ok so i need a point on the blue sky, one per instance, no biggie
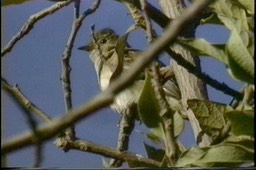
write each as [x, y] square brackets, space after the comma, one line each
[35, 65]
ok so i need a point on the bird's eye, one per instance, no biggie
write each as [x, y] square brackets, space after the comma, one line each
[103, 41]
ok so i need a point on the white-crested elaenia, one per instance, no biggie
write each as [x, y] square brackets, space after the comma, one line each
[103, 54]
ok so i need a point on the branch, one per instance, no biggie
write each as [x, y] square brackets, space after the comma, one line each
[27, 108]
[28, 26]
[80, 145]
[66, 69]
[105, 98]
[108, 152]
[23, 101]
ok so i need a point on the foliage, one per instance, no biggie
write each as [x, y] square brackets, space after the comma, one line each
[238, 53]
[236, 148]
[231, 127]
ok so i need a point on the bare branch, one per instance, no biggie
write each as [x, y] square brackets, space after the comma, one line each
[27, 108]
[49, 130]
[111, 153]
[23, 101]
[28, 26]
[66, 69]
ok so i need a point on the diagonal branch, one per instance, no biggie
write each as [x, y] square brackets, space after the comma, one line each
[81, 145]
[105, 98]
[20, 98]
[28, 26]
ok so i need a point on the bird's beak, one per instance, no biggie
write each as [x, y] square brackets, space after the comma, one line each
[85, 48]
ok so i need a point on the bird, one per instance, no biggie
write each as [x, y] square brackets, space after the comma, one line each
[102, 49]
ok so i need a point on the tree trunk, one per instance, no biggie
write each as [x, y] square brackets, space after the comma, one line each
[190, 86]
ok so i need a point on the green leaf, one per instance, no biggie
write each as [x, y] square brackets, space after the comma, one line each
[178, 124]
[222, 7]
[223, 155]
[203, 47]
[189, 156]
[148, 105]
[240, 62]
[233, 10]
[242, 122]
[13, 2]
[231, 23]
[248, 5]
[210, 115]
[153, 153]
[245, 141]
[240, 14]
[149, 109]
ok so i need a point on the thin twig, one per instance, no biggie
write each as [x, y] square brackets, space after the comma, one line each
[27, 107]
[105, 98]
[16, 93]
[28, 26]
[66, 69]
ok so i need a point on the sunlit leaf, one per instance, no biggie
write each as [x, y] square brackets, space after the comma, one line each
[223, 155]
[210, 115]
[222, 7]
[244, 141]
[189, 156]
[248, 5]
[240, 61]
[203, 47]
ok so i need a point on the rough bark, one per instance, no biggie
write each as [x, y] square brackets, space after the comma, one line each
[191, 87]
